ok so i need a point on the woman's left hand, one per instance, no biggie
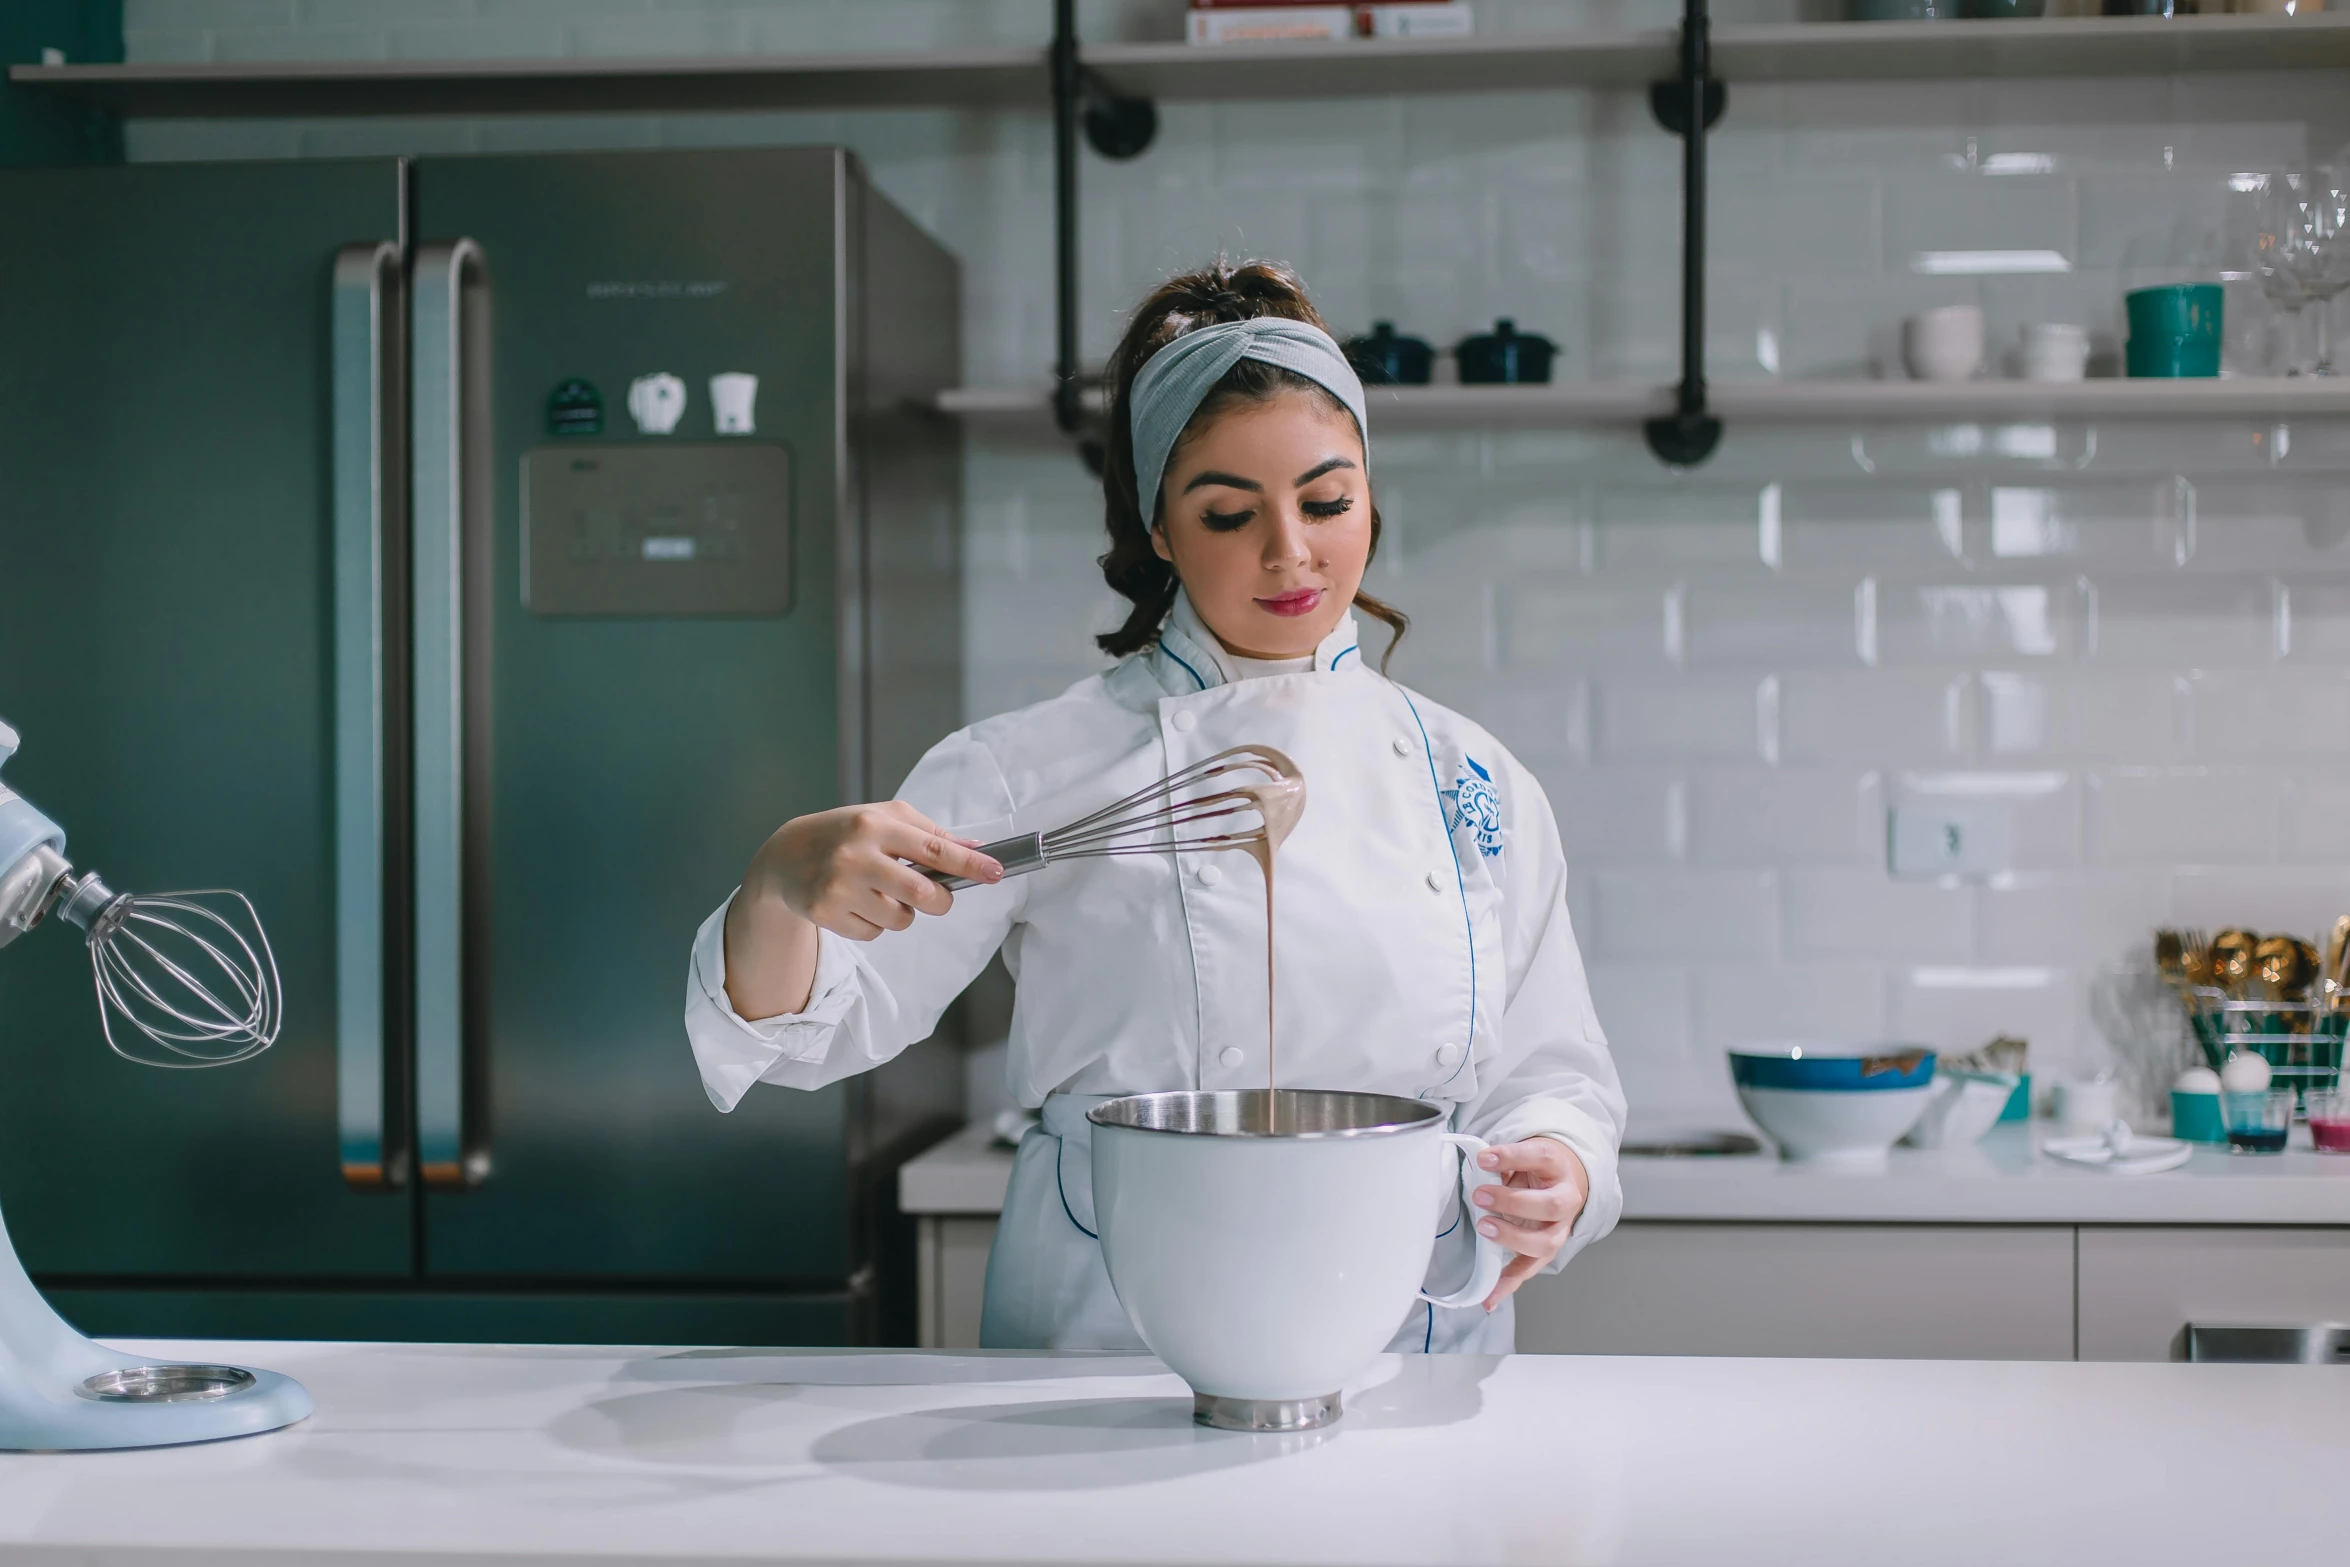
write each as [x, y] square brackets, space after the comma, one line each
[1544, 1187]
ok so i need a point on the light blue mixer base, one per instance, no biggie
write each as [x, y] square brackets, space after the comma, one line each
[56, 1392]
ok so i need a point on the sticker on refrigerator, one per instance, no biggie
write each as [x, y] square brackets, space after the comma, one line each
[656, 402]
[732, 394]
[575, 407]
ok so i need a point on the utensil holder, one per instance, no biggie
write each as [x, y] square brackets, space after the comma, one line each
[2300, 1040]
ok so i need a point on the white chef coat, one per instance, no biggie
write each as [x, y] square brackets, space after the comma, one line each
[1423, 949]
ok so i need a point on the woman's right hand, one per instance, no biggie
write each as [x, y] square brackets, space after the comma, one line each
[847, 870]
[842, 870]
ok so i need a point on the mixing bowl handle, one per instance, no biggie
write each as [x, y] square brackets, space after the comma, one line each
[1492, 1256]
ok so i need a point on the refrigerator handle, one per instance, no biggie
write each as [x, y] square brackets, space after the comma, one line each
[451, 577]
[369, 401]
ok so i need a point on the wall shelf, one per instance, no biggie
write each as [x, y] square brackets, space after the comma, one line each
[1573, 404]
[1175, 72]
[979, 78]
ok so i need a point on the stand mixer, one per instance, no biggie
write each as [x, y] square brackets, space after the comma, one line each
[183, 980]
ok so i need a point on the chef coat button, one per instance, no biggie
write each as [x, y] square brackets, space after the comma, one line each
[1402, 746]
[1184, 721]
[1209, 875]
[1446, 1055]
[1435, 883]
[1230, 1056]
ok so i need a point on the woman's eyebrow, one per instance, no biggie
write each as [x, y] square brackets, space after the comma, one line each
[1324, 466]
[1235, 481]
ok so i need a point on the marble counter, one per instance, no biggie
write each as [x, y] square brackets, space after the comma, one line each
[483, 1454]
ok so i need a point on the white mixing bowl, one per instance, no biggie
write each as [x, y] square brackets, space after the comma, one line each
[1268, 1251]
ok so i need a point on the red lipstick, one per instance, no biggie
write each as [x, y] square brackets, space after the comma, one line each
[1298, 601]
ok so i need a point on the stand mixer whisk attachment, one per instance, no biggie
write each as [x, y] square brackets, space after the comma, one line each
[190, 973]
[187, 977]
[1249, 794]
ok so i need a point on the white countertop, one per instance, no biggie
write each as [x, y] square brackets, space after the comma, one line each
[476, 1454]
[1999, 1181]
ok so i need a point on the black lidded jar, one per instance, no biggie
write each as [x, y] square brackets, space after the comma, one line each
[1384, 359]
[1505, 356]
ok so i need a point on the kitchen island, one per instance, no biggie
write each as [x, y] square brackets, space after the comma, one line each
[453, 1453]
[1989, 1252]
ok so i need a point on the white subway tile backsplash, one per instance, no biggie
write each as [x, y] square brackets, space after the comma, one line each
[1780, 816]
[2186, 621]
[2313, 823]
[2302, 900]
[1676, 914]
[1958, 1008]
[1715, 717]
[1752, 1003]
[1950, 622]
[2169, 815]
[2242, 715]
[1614, 815]
[2043, 809]
[1864, 914]
[1585, 625]
[1876, 717]
[2041, 917]
[1775, 625]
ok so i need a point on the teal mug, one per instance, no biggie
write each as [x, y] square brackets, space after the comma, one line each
[2174, 330]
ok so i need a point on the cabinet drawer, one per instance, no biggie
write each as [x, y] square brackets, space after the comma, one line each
[1860, 1291]
[2141, 1285]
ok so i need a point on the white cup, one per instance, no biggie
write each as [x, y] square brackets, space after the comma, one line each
[1268, 1265]
[2053, 351]
[1944, 344]
[656, 402]
[733, 394]
[2086, 1104]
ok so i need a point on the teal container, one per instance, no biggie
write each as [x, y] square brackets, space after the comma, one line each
[2196, 1118]
[2019, 1103]
[2174, 330]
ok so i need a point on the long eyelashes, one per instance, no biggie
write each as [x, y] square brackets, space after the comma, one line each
[1231, 521]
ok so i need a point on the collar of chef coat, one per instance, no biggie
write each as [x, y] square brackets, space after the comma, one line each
[1189, 658]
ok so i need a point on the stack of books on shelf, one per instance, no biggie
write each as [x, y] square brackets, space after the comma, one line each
[1265, 21]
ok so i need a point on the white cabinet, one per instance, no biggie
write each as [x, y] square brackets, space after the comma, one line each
[951, 1257]
[2141, 1285]
[1934, 1292]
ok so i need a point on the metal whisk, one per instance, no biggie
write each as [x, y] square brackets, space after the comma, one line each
[1184, 812]
[189, 974]
[190, 971]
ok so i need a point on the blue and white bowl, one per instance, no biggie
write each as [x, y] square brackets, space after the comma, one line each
[1833, 1103]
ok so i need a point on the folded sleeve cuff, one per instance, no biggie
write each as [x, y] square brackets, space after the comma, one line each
[733, 1051]
[1593, 1142]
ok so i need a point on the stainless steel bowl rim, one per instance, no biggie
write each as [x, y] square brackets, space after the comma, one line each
[1401, 1115]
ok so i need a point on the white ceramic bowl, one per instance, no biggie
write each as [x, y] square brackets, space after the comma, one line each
[1826, 1103]
[1268, 1261]
[1962, 1106]
[1944, 344]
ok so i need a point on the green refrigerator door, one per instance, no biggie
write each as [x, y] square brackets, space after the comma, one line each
[168, 649]
[651, 686]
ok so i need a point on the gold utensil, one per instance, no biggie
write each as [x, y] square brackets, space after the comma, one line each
[2231, 959]
[2338, 952]
[2282, 967]
[2170, 958]
[2195, 957]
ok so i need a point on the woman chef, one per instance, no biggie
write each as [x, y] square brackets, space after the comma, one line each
[1422, 949]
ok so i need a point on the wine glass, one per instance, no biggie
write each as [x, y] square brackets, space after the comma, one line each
[2312, 212]
[2275, 219]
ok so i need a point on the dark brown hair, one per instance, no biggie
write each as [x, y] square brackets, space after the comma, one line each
[1222, 292]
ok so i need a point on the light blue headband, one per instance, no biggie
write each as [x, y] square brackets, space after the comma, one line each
[1170, 385]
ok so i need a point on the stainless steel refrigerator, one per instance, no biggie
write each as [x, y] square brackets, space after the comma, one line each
[473, 559]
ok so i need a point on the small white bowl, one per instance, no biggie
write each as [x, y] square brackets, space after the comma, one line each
[1814, 1126]
[1963, 1106]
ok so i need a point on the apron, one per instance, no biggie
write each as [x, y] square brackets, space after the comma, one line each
[1048, 1288]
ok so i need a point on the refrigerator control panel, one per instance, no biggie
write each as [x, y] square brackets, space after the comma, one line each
[675, 529]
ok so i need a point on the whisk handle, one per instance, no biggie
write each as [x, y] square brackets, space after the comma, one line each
[1018, 856]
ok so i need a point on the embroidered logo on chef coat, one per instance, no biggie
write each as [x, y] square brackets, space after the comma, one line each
[1473, 803]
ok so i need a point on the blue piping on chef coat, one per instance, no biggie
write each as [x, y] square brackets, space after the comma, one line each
[1460, 881]
[1354, 648]
[1187, 669]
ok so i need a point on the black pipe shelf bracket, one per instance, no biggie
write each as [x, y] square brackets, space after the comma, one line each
[1116, 127]
[1688, 435]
